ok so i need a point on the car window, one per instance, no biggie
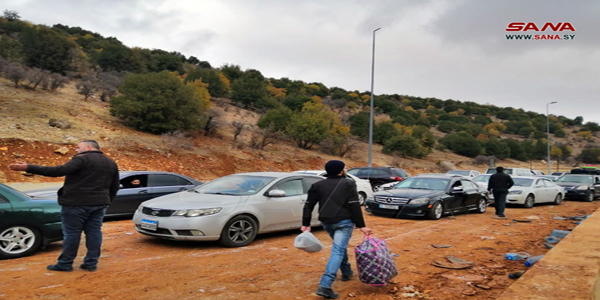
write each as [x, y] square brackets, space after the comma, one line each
[522, 181]
[400, 173]
[539, 183]
[549, 183]
[380, 173]
[235, 185]
[482, 178]
[469, 185]
[309, 181]
[167, 180]
[354, 172]
[290, 187]
[575, 178]
[134, 181]
[3, 200]
[422, 183]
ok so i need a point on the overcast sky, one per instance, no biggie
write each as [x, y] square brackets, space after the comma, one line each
[445, 49]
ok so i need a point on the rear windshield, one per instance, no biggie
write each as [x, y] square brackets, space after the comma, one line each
[575, 178]
[522, 181]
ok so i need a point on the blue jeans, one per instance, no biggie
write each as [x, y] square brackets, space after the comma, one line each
[340, 233]
[77, 219]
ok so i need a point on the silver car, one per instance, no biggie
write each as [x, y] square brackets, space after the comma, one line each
[231, 209]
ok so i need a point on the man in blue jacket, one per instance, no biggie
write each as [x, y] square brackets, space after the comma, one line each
[499, 184]
[91, 184]
[339, 211]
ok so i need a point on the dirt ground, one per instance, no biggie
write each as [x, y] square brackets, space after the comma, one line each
[134, 266]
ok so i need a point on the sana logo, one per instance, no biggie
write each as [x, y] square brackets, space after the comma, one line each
[522, 26]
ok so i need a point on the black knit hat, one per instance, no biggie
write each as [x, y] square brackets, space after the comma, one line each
[334, 167]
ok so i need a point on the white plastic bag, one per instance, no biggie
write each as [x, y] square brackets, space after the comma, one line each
[308, 242]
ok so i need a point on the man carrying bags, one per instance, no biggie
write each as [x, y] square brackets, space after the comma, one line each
[339, 211]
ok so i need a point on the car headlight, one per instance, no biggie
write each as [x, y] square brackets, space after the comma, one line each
[140, 208]
[515, 192]
[197, 212]
[419, 201]
[583, 187]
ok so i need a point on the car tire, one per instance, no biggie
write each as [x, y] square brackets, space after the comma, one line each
[557, 199]
[590, 197]
[529, 201]
[376, 187]
[362, 198]
[436, 211]
[482, 205]
[239, 231]
[25, 241]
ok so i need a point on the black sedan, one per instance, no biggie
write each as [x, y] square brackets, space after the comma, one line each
[137, 187]
[26, 223]
[431, 196]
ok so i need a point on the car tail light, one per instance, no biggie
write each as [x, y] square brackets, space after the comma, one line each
[396, 178]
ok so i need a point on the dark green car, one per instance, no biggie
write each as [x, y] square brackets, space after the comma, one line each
[26, 223]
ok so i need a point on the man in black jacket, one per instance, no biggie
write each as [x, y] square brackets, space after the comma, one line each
[339, 211]
[91, 184]
[499, 184]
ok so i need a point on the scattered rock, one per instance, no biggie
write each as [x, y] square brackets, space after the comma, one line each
[533, 218]
[59, 124]
[483, 287]
[352, 294]
[469, 278]
[446, 166]
[3, 148]
[18, 155]
[62, 150]
[487, 237]
[440, 246]
[470, 292]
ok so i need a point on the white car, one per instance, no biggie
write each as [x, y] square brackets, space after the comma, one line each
[363, 186]
[529, 190]
[466, 173]
[231, 209]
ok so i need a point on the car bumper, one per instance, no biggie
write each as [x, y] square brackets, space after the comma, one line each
[380, 209]
[576, 194]
[204, 228]
[516, 198]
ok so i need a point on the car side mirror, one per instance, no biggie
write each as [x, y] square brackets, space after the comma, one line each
[457, 190]
[276, 193]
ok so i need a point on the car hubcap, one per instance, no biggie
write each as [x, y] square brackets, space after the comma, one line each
[361, 198]
[557, 199]
[482, 205]
[16, 240]
[529, 201]
[438, 211]
[240, 231]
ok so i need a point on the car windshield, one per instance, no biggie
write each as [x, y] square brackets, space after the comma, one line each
[482, 178]
[237, 185]
[434, 184]
[460, 172]
[575, 178]
[522, 181]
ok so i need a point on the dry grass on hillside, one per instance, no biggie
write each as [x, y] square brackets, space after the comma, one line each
[26, 113]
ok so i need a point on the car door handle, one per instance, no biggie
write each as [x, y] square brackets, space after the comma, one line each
[143, 192]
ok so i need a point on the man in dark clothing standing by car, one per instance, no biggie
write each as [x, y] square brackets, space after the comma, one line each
[91, 184]
[499, 184]
[339, 211]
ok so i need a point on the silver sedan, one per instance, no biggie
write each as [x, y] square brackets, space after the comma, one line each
[231, 209]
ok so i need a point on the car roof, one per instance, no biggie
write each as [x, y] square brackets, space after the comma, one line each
[440, 176]
[270, 174]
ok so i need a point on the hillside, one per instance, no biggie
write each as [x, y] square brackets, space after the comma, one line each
[26, 136]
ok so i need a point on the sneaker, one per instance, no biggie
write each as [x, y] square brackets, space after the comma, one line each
[327, 293]
[500, 217]
[347, 277]
[59, 269]
[88, 268]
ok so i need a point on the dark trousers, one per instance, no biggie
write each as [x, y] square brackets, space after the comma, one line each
[500, 202]
[75, 220]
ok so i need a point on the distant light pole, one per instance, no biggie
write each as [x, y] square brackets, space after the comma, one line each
[371, 113]
[548, 132]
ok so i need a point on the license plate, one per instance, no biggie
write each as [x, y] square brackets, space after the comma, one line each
[149, 224]
[388, 206]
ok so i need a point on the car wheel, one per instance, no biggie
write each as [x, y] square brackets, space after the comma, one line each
[529, 201]
[377, 187]
[436, 211]
[482, 205]
[557, 199]
[239, 231]
[362, 198]
[590, 197]
[19, 241]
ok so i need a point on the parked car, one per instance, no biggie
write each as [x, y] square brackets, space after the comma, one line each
[429, 195]
[363, 186]
[537, 172]
[551, 177]
[529, 190]
[150, 184]
[558, 174]
[379, 175]
[512, 171]
[26, 223]
[231, 209]
[466, 173]
[582, 186]
[482, 180]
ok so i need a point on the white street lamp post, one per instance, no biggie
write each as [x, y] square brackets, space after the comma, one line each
[371, 113]
[548, 134]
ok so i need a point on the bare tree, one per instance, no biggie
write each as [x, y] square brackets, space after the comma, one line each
[87, 88]
[54, 82]
[16, 73]
[263, 137]
[108, 83]
[238, 128]
[36, 76]
[211, 122]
